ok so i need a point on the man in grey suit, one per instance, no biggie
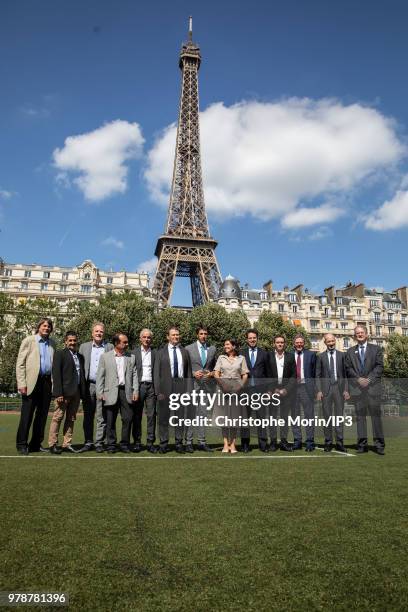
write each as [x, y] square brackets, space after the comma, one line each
[364, 368]
[171, 374]
[332, 390]
[117, 386]
[144, 358]
[91, 352]
[202, 358]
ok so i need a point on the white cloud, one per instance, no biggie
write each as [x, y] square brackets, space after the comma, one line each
[99, 158]
[305, 217]
[267, 159]
[393, 214]
[149, 266]
[6, 195]
[113, 242]
[320, 233]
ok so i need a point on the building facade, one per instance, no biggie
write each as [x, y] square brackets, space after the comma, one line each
[83, 282]
[337, 310]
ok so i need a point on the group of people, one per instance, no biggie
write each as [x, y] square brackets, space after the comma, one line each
[110, 380]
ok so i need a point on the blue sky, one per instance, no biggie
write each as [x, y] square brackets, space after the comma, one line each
[304, 135]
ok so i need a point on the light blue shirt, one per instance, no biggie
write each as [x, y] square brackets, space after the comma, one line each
[45, 356]
[96, 353]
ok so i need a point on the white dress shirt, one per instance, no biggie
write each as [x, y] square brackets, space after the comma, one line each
[146, 364]
[120, 368]
[302, 371]
[335, 362]
[96, 353]
[280, 362]
[170, 348]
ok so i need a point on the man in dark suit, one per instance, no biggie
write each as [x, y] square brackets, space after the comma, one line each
[364, 368]
[283, 373]
[202, 359]
[305, 374]
[68, 386]
[171, 374]
[258, 363]
[144, 358]
[332, 390]
[92, 352]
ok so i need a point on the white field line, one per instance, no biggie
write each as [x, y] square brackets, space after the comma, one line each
[157, 458]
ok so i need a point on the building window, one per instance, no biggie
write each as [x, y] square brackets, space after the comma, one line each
[312, 309]
[343, 325]
[359, 312]
[377, 317]
[346, 343]
[405, 332]
[109, 280]
[44, 286]
[27, 273]
[4, 284]
[292, 297]
[339, 300]
[314, 324]
[326, 312]
[65, 276]
[281, 308]
[7, 272]
[378, 330]
[390, 317]
[244, 293]
[86, 288]
[294, 308]
[46, 274]
[24, 285]
[391, 330]
[342, 315]
[87, 276]
[327, 325]
[403, 319]
[63, 288]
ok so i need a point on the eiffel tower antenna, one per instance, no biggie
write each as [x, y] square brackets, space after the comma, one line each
[186, 248]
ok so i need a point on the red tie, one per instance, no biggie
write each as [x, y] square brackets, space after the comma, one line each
[299, 366]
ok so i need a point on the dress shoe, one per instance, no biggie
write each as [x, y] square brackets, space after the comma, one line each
[273, 447]
[340, 447]
[245, 448]
[285, 446]
[189, 448]
[37, 449]
[152, 449]
[99, 448]
[180, 449]
[379, 450]
[263, 446]
[111, 450]
[297, 445]
[205, 448]
[54, 450]
[86, 447]
[328, 447]
[137, 448]
[124, 449]
[23, 451]
[310, 446]
[164, 449]
[69, 449]
[362, 449]
[44, 450]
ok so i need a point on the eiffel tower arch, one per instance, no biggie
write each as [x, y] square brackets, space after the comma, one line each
[186, 248]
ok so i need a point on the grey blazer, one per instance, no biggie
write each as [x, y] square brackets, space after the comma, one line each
[323, 372]
[107, 382]
[195, 358]
[86, 349]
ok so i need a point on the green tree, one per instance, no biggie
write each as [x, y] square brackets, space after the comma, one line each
[270, 324]
[213, 316]
[396, 357]
[8, 357]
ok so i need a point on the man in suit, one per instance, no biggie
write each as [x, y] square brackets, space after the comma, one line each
[283, 373]
[68, 386]
[144, 358]
[171, 374]
[91, 352]
[332, 390]
[258, 363]
[305, 374]
[117, 386]
[33, 373]
[364, 368]
[202, 359]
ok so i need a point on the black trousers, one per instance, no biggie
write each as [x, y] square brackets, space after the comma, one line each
[126, 413]
[35, 405]
[365, 405]
[89, 407]
[333, 404]
[147, 399]
[178, 386]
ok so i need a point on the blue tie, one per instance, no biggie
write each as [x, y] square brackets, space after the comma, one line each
[362, 357]
[252, 357]
[203, 355]
[175, 363]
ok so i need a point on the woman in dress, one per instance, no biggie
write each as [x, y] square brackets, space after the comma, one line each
[231, 373]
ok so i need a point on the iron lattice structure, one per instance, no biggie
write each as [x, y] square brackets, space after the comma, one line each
[187, 249]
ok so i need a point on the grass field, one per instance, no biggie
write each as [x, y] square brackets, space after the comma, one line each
[142, 532]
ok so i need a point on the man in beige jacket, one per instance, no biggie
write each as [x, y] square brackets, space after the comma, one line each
[33, 372]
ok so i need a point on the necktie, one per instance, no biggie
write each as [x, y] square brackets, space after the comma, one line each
[299, 366]
[175, 363]
[203, 355]
[331, 366]
[252, 358]
[362, 357]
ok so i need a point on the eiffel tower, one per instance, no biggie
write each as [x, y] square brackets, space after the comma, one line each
[186, 248]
